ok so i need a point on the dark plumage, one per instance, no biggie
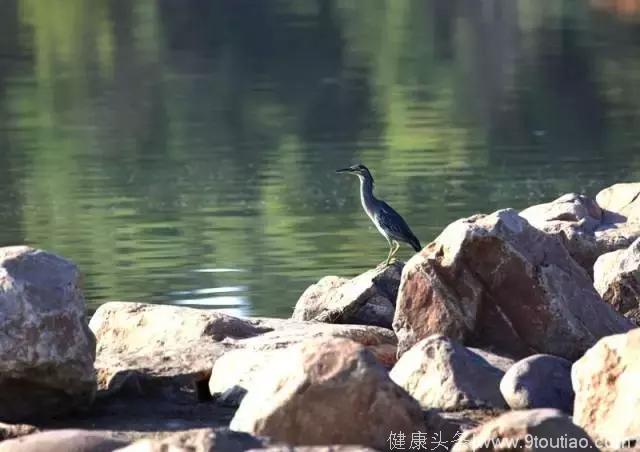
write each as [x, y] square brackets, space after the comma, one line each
[389, 222]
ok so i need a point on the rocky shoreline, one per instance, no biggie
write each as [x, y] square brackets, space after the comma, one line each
[505, 329]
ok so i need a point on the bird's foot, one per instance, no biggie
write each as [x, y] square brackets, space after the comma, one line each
[388, 262]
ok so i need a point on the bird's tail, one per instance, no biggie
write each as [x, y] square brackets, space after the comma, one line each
[415, 244]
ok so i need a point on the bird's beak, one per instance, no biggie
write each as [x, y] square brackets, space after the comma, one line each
[344, 170]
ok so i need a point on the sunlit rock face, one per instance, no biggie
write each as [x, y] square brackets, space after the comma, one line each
[367, 299]
[440, 373]
[607, 395]
[46, 349]
[496, 281]
[328, 391]
[200, 440]
[531, 430]
[589, 228]
[620, 202]
[65, 440]
[161, 348]
[617, 279]
[242, 369]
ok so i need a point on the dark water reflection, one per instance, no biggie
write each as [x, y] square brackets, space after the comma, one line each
[184, 151]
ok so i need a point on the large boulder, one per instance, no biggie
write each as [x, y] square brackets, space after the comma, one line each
[200, 440]
[367, 299]
[46, 348]
[67, 440]
[583, 226]
[158, 348]
[617, 278]
[539, 381]
[496, 281]
[620, 202]
[526, 430]
[607, 394]
[440, 373]
[328, 391]
[241, 369]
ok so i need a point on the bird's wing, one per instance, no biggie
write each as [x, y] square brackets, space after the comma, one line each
[395, 224]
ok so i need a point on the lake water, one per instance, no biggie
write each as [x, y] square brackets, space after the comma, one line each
[184, 152]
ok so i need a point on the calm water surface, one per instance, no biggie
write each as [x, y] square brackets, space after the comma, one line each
[184, 152]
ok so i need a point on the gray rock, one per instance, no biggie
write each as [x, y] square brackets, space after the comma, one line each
[539, 381]
[46, 348]
[617, 278]
[64, 441]
[151, 349]
[620, 202]
[200, 440]
[367, 299]
[328, 391]
[440, 373]
[240, 369]
[585, 226]
[531, 430]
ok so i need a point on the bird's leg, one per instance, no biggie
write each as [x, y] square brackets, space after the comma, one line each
[388, 260]
[392, 252]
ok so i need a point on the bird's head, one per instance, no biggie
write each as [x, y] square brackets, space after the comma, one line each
[357, 170]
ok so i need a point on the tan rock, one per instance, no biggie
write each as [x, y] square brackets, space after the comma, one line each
[64, 441]
[46, 349]
[440, 373]
[151, 348]
[607, 394]
[583, 227]
[367, 299]
[328, 391]
[620, 200]
[571, 207]
[240, 369]
[526, 430]
[617, 278]
[495, 281]
[199, 440]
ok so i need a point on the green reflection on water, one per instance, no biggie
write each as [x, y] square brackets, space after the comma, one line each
[157, 143]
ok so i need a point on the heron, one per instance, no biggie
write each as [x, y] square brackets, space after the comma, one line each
[389, 222]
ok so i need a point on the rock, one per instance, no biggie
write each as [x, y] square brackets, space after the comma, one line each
[46, 349]
[64, 441]
[571, 207]
[337, 448]
[440, 373]
[238, 370]
[526, 430]
[367, 299]
[539, 381]
[583, 227]
[200, 440]
[139, 350]
[617, 278]
[8, 431]
[620, 202]
[328, 391]
[607, 394]
[494, 281]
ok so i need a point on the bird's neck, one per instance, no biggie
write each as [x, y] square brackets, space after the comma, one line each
[366, 194]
